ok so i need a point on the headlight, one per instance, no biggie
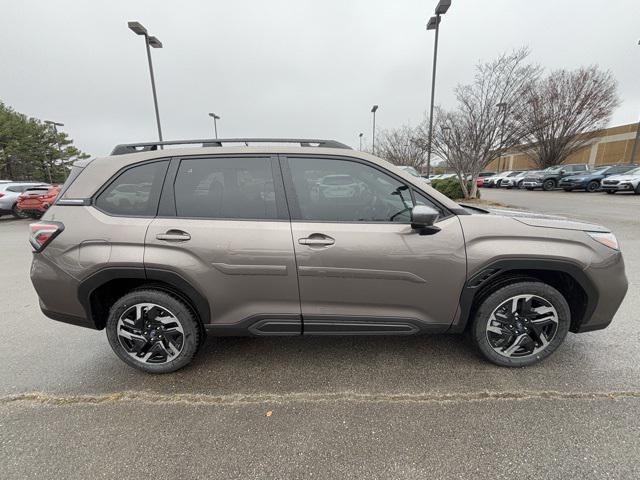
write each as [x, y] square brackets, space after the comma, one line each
[606, 239]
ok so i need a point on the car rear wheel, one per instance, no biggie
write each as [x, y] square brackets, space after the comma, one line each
[153, 331]
[521, 324]
[592, 186]
[16, 212]
[549, 185]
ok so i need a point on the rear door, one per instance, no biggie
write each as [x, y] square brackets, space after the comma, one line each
[223, 226]
[362, 268]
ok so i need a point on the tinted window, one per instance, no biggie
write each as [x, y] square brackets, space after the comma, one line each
[363, 193]
[134, 192]
[619, 169]
[579, 168]
[226, 188]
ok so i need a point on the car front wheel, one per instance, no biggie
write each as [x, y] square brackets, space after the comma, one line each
[153, 331]
[592, 186]
[521, 324]
[549, 185]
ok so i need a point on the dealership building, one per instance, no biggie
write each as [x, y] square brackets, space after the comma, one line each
[608, 146]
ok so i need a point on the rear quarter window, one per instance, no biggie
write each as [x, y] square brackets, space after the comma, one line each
[134, 192]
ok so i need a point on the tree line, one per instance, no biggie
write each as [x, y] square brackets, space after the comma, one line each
[31, 149]
[510, 104]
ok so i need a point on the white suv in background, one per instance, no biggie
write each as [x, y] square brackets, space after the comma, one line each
[627, 182]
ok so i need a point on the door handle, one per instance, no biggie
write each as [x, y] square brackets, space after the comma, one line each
[174, 236]
[317, 240]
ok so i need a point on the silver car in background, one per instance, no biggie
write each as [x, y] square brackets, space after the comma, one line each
[9, 192]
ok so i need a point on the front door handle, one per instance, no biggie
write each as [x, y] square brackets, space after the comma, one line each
[174, 236]
[317, 240]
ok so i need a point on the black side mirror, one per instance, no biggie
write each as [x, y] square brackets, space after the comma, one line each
[423, 218]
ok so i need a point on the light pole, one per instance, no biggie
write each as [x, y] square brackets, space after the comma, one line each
[637, 139]
[374, 109]
[215, 124]
[149, 41]
[361, 134]
[434, 24]
[502, 107]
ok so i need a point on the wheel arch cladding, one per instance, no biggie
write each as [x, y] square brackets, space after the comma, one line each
[566, 277]
[99, 291]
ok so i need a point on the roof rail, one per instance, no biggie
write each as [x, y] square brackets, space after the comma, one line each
[217, 142]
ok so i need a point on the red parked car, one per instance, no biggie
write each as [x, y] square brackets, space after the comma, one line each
[37, 200]
[482, 176]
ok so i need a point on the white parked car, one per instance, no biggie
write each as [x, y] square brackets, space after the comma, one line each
[497, 179]
[412, 171]
[627, 182]
[9, 192]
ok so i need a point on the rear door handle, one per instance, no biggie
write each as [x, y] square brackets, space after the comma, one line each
[317, 240]
[174, 236]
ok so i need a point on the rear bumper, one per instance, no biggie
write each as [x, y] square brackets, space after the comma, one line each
[531, 184]
[57, 292]
[70, 319]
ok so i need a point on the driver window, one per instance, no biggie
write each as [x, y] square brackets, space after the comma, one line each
[344, 191]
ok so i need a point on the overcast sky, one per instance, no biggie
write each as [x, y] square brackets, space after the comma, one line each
[284, 68]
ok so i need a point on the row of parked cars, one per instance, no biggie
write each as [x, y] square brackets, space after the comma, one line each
[26, 199]
[610, 178]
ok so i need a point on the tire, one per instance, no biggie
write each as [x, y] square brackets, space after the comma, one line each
[556, 324]
[530, 189]
[637, 190]
[168, 344]
[592, 186]
[17, 213]
[549, 185]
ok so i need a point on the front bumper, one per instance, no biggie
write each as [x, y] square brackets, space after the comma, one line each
[619, 187]
[610, 284]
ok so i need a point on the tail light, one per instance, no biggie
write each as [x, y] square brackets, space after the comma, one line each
[42, 233]
[1, 194]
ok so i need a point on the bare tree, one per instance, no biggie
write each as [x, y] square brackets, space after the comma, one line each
[565, 110]
[402, 146]
[487, 121]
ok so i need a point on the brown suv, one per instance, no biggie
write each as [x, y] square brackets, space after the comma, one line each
[160, 247]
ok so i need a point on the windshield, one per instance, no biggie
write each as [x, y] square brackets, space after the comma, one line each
[635, 171]
[410, 170]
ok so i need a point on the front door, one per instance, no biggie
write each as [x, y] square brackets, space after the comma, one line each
[362, 269]
[223, 226]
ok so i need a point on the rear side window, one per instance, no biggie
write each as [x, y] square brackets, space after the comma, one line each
[241, 188]
[135, 192]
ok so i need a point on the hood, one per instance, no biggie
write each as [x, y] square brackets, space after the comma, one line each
[541, 220]
[623, 177]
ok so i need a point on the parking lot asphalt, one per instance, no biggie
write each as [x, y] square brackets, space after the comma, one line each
[397, 407]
